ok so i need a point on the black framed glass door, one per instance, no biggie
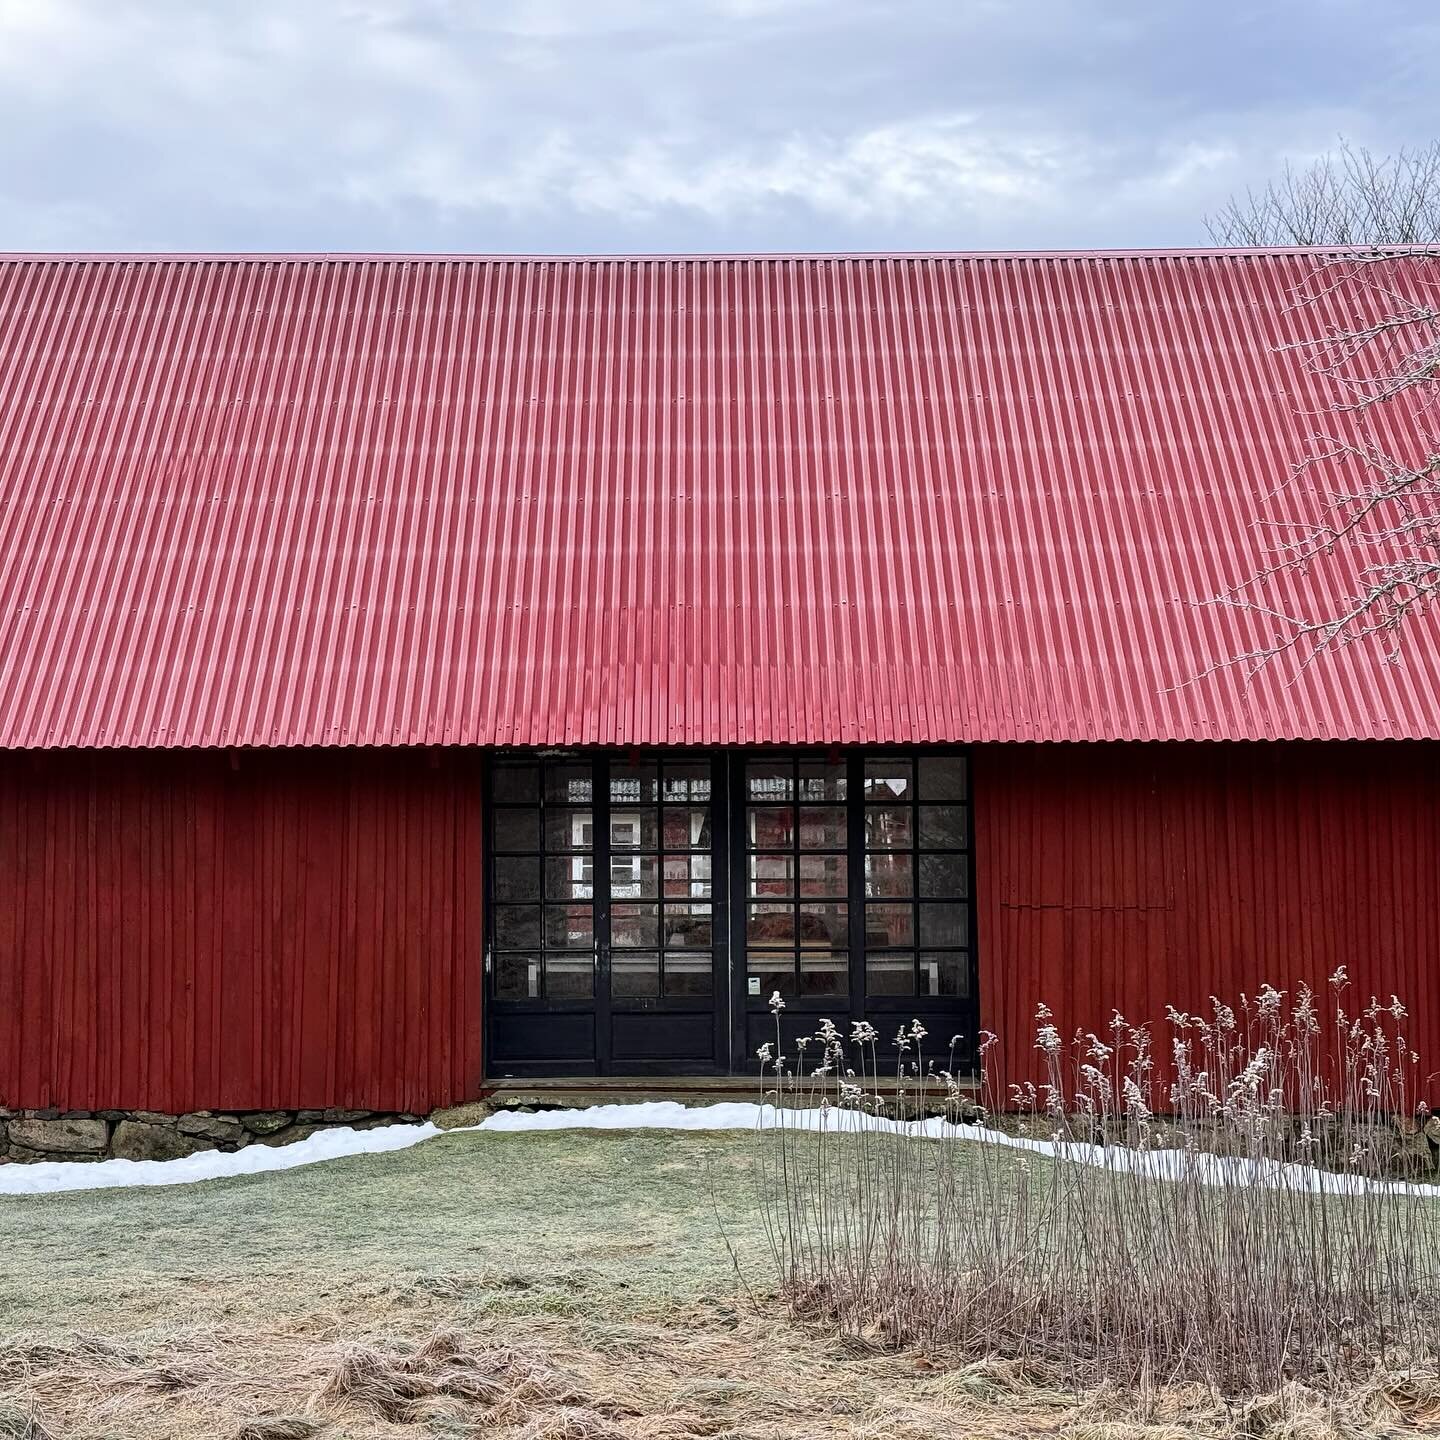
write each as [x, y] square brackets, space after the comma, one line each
[608, 924]
[643, 908]
[852, 898]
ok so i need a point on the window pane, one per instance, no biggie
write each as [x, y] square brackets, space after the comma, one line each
[823, 875]
[634, 784]
[686, 782]
[635, 927]
[569, 830]
[889, 827]
[770, 827]
[634, 877]
[688, 974]
[822, 827]
[517, 830]
[687, 876]
[569, 927]
[569, 877]
[517, 927]
[517, 977]
[775, 972]
[944, 876]
[892, 974]
[568, 784]
[889, 779]
[769, 780]
[889, 874]
[569, 977]
[687, 829]
[687, 927]
[770, 924]
[824, 974]
[889, 925]
[772, 875]
[824, 927]
[944, 924]
[942, 827]
[637, 829]
[517, 877]
[634, 974]
[942, 777]
[945, 972]
[820, 780]
[516, 784]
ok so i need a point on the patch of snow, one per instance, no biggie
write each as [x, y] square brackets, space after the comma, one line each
[48, 1177]
[1157, 1164]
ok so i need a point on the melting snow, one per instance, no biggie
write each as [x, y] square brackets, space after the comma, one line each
[50, 1176]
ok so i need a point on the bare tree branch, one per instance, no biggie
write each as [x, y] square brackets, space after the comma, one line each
[1363, 505]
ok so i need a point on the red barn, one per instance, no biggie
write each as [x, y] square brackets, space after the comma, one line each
[416, 671]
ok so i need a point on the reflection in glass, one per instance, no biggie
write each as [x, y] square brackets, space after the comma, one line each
[889, 779]
[517, 830]
[769, 924]
[942, 777]
[517, 977]
[823, 927]
[688, 974]
[942, 827]
[944, 876]
[822, 827]
[516, 784]
[768, 780]
[633, 784]
[635, 926]
[890, 926]
[687, 927]
[635, 974]
[889, 874]
[942, 924]
[517, 877]
[824, 974]
[889, 974]
[945, 972]
[888, 827]
[569, 927]
[568, 784]
[569, 830]
[569, 977]
[517, 927]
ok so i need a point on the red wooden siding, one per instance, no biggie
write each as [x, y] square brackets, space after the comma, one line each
[1128, 876]
[303, 930]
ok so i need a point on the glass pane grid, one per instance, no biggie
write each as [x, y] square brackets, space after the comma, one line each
[917, 869]
[796, 828]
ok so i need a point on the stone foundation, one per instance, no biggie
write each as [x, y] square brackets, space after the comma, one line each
[30, 1135]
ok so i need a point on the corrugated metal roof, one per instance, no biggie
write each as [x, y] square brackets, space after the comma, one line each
[315, 500]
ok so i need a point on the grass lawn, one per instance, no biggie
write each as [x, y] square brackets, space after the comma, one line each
[544, 1286]
[571, 1284]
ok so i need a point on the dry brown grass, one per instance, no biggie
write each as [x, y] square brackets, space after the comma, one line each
[706, 1373]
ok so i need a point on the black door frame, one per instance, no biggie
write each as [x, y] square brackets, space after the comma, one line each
[894, 1010]
[733, 1009]
[602, 1005]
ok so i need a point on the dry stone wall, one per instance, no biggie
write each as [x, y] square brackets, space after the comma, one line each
[30, 1135]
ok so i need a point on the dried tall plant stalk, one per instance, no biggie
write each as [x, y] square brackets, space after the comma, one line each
[1236, 1214]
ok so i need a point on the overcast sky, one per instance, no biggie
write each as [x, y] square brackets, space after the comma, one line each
[700, 125]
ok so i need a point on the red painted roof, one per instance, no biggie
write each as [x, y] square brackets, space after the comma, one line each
[388, 500]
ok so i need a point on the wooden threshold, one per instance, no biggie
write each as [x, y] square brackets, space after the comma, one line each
[579, 1091]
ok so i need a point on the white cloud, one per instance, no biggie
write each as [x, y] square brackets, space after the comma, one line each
[646, 124]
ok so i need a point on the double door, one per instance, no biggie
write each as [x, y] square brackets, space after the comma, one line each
[644, 908]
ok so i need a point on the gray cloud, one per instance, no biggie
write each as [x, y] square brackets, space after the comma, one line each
[602, 125]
